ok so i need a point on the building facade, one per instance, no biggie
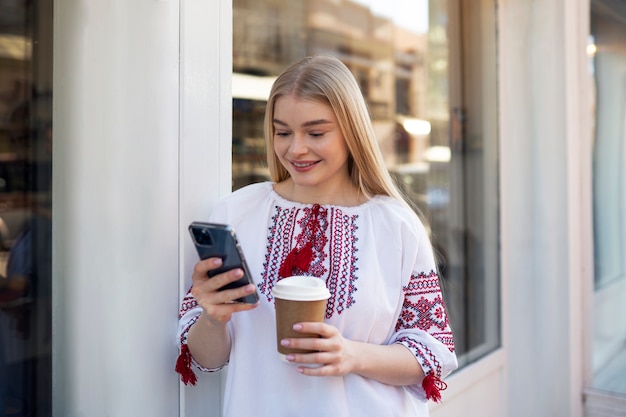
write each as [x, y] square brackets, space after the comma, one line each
[503, 119]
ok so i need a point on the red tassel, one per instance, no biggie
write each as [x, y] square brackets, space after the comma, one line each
[298, 260]
[183, 366]
[433, 386]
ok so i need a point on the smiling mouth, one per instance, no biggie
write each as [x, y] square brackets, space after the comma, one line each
[303, 164]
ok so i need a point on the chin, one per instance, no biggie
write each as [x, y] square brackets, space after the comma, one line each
[304, 183]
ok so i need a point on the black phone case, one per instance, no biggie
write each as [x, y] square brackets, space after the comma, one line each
[214, 240]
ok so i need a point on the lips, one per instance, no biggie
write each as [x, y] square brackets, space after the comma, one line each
[303, 165]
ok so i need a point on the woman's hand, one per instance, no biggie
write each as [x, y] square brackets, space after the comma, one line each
[337, 356]
[334, 353]
[209, 340]
[218, 305]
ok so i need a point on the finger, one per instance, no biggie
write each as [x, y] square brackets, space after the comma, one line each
[320, 328]
[223, 312]
[314, 364]
[232, 295]
[324, 370]
[210, 291]
[226, 309]
[202, 268]
[315, 369]
[220, 280]
[306, 343]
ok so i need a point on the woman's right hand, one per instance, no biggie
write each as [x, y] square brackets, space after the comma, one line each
[218, 305]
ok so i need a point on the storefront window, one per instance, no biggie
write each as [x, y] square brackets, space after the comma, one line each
[25, 207]
[407, 57]
[607, 52]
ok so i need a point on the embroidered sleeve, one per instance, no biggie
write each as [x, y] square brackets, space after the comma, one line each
[423, 328]
[188, 315]
[424, 309]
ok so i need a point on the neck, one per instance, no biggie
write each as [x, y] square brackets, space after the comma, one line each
[345, 194]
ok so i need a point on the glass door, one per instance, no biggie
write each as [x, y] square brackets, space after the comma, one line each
[25, 207]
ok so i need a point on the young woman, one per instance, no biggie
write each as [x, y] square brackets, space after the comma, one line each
[331, 211]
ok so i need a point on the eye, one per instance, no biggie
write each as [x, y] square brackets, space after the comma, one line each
[282, 133]
[316, 134]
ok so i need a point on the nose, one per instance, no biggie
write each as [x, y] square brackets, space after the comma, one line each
[298, 145]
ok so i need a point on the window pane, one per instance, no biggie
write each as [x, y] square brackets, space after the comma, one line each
[609, 188]
[409, 70]
[25, 207]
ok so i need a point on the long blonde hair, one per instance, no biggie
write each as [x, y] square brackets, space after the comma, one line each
[327, 80]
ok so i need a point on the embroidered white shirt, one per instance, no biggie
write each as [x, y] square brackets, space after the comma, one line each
[377, 262]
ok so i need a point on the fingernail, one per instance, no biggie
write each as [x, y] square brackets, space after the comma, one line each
[284, 342]
[297, 327]
[290, 358]
[217, 261]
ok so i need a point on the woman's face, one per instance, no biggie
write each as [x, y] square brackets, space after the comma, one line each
[309, 144]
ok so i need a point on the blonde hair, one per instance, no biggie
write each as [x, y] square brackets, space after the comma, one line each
[327, 80]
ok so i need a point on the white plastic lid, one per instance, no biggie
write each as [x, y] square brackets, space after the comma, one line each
[301, 288]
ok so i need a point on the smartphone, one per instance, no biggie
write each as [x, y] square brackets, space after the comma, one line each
[214, 240]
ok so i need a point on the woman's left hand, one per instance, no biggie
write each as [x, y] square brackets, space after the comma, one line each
[334, 353]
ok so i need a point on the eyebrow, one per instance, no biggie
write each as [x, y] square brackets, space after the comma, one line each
[305, 124]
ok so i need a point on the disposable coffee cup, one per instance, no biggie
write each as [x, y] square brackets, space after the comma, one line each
[298, 299]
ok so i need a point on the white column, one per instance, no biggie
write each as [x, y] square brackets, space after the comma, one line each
[206, 150]
[544, 206]
[116, 207]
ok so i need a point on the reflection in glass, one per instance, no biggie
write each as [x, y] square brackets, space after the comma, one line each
[25, 207]
[607, 51]
[400, 53]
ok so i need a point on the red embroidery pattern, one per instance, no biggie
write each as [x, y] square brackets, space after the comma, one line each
[423, 308]
[334, 252]
[342, 263]
[425, 356]
[280, 234]
[187, 304]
